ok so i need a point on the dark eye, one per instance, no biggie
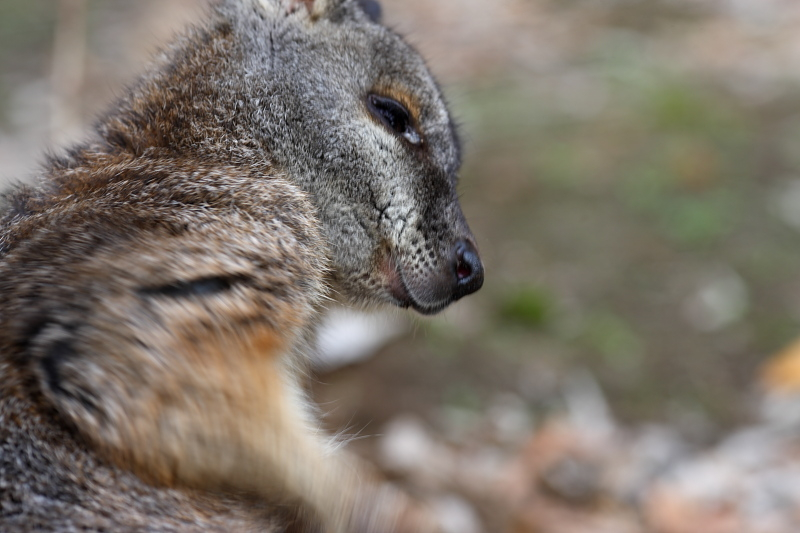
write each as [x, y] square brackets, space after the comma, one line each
[394, 115]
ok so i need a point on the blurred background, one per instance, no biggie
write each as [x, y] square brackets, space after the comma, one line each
[632, 176]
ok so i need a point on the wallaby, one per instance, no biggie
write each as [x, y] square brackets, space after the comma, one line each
[161, 283]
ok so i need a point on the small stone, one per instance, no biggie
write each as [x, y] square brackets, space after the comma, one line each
[456, 515]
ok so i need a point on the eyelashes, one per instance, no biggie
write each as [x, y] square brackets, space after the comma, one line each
[394, 116]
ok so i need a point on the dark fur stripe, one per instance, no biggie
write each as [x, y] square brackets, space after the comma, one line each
[195, 287]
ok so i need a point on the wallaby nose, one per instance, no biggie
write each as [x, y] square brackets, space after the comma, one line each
[468, 270]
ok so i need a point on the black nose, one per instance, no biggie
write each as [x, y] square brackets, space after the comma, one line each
[468, 270]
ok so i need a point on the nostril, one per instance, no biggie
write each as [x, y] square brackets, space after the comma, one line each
[463, 269]
[468, 270]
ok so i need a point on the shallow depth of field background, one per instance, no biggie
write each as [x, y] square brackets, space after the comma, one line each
[632, 176]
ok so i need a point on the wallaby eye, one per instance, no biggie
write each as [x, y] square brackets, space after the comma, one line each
[394, 116]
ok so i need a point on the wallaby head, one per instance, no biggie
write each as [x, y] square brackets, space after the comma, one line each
[349, 112]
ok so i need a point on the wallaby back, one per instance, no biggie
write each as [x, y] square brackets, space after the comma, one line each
[160, 285]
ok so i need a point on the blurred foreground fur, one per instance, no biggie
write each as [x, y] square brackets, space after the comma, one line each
[160, 286]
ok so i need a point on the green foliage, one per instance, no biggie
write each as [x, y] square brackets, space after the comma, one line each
[526, 305]
[614, 339]
[462, 395]
[677, 106]
[25, 27]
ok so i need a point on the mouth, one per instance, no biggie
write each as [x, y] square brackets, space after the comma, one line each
[399, 292]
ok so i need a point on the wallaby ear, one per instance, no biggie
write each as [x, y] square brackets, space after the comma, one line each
[316, 9]
[372, 9]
